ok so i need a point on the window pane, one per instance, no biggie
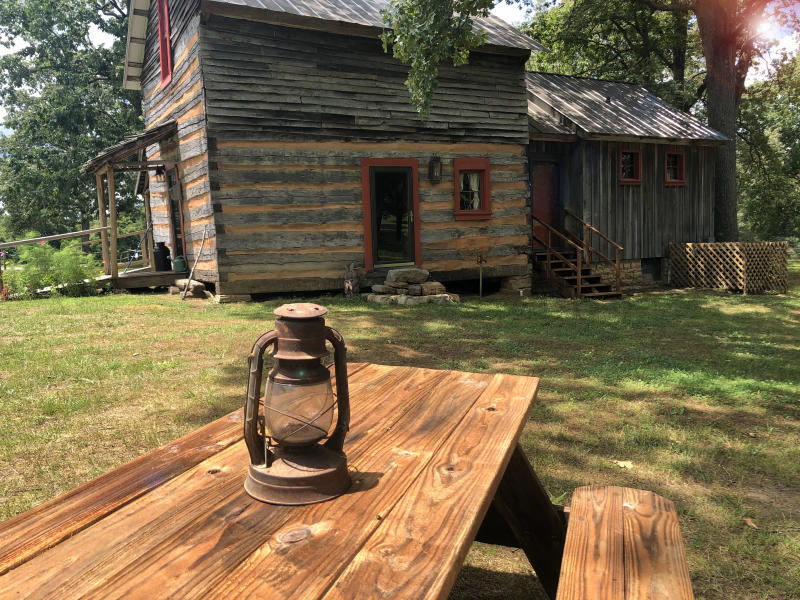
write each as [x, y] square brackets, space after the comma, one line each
[674, 167]
[470, 196]
[629, 170]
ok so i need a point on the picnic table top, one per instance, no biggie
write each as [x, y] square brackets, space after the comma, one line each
[426, 450]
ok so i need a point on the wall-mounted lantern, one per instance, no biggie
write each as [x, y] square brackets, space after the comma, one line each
[435, 169]
[288, 464]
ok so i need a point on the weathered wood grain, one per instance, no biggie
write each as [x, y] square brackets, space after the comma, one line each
[32, 532]
[418, 548]
[29, 533]
[593, 564]
[623, 543]
[398, 451]
[654, 555]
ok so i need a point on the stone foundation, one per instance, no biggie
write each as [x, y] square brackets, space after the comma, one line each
[631, 275]
[410, 286]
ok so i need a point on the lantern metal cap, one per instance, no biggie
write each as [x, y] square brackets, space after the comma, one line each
[301, 310]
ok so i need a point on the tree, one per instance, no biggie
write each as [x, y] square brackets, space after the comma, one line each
[769, 153]
[624, 41]
[729, 37]
[64, 100]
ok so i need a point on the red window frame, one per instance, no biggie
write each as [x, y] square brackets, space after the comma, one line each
[681, 168]
[366, 204]
[472, 165]
[164, 45]
[637, 179]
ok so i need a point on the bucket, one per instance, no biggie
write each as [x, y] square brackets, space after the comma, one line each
[179, 264]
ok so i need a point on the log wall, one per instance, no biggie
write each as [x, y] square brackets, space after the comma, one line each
[183, 99]
[291, 113]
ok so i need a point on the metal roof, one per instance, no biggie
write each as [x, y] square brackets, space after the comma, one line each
[610, 108]
[368, 13]
[314, 14]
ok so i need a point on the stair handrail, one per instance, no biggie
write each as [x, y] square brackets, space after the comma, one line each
[588, 248]
[550, 250]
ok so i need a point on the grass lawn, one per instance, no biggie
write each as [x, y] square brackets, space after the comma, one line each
[700, 391]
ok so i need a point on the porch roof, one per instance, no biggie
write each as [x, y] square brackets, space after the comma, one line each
[130, 145]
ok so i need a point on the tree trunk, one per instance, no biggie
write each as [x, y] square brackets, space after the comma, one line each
[716, 20]
[679, 43]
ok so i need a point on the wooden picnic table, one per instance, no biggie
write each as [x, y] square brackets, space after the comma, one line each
[433, 456]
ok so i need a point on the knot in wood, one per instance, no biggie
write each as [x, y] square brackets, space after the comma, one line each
[294, 535]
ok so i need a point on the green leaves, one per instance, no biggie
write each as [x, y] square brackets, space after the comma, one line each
[62, 94]
[426, 33]
[768, 154]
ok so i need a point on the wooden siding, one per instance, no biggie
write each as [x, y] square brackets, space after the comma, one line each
[647, 217]
[291, 113]
[182, 100]
[269, 82]
[299, 222]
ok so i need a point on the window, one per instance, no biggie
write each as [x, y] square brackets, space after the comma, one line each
[675, 168]
[473, 198]
[630, 166]
[164, 47]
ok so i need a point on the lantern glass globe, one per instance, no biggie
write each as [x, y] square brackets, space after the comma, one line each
[298, 414]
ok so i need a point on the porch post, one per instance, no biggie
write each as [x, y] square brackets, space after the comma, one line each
[101, 207]
[148, 222]
[112, 210]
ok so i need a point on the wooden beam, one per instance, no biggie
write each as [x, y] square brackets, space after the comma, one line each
[101, 208]
[137, 165]
[112, 210]
[148, 221]
[50, 238]
[522, 502]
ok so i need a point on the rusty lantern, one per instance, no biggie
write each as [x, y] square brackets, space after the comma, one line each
[288, 464]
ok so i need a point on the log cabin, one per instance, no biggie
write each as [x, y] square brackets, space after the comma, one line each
[288, 139]
[283, 134]
[614, 166]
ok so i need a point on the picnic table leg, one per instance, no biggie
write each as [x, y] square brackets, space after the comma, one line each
[521, 515]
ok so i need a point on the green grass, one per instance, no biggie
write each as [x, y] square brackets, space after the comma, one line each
[699, 390]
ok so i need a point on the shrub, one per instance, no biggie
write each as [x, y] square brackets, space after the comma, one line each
[64, 270]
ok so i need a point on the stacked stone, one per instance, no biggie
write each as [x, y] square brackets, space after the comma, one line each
[409, 286]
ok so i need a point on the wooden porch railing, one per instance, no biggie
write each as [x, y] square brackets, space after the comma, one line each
[550, 250]
[588, 249]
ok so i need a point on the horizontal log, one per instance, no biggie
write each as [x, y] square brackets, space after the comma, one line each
[493, 261]
[289, 241]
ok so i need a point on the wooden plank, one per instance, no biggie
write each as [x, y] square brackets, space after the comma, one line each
[654, 555]
[419, 547]
[32, 532]
[593, 564]
[101, 209]
[539, 529]
[89, 559]
[395, 453]
[252, 531]
[112, 211]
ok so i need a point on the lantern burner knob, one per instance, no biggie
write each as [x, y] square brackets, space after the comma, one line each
[301, 310]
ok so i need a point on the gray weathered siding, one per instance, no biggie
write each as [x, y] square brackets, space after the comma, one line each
[291, 113]
[645, 218]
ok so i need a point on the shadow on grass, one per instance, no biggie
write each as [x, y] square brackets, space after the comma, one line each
[475, 583]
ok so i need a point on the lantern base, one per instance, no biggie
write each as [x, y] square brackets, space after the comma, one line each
[299, 476]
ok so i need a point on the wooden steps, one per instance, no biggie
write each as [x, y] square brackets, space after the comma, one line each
[565, 276]
[623, 544]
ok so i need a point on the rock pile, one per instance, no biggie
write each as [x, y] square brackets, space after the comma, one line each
[409, 286]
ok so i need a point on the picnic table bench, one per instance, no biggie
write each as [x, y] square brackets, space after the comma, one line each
[435, 462]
